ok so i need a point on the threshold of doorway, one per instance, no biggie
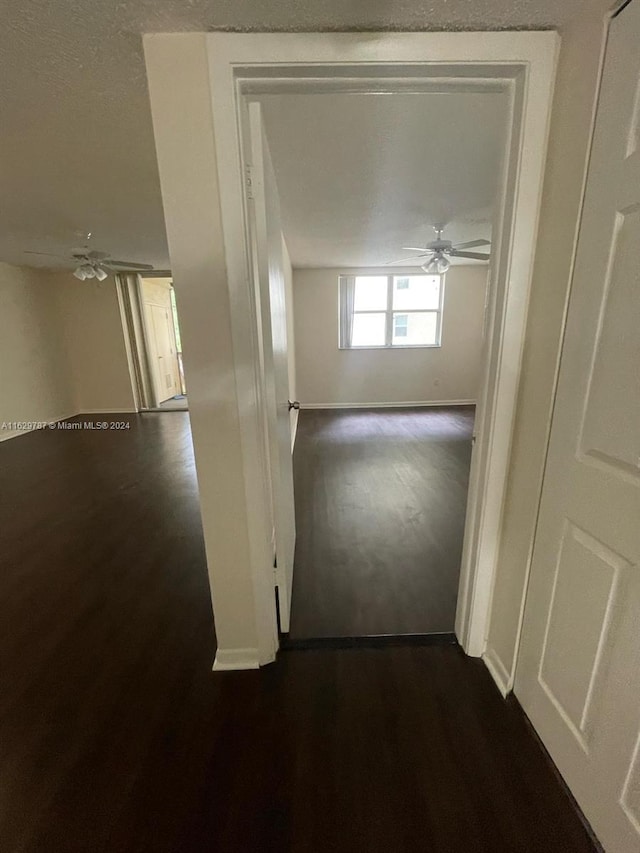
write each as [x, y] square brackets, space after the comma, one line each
[372, 641]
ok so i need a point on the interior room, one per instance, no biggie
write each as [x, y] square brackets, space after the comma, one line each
[387, 399]
[64, 339]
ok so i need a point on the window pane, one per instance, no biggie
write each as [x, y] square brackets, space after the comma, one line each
[371, 293]
[400, 325]
[415, 292]
[368, 330]
[415, 330]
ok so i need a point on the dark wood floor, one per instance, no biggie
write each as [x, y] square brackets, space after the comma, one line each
[116, 737]
[380, 506]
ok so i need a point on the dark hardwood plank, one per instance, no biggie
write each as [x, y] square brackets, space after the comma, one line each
[380, 507]
[116, 737]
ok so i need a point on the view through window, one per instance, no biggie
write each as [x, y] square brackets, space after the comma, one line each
[390, 310]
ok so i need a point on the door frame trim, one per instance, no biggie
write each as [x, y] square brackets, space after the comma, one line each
[136, 334]
[134, 326]
[521, 63]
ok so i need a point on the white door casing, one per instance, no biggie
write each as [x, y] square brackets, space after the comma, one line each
[198, 134]
[271, 299]
[578, 672]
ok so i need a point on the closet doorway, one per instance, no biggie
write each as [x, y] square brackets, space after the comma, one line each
[152, 328]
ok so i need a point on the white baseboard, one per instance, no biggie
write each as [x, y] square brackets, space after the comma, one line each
[236, 659]
[404, 404]
[6, 434]
[498, 671]
[124, 410]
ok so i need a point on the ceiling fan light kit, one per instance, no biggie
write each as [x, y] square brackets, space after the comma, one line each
[439, 251]
[85, 271]
[438, 265]
[94, 264]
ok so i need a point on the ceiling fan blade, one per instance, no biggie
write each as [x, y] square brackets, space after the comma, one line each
[47, 254]
[97, 256]
[412, 258]
[128, 265]
[416, 248]
[477, 256]
[471, 243]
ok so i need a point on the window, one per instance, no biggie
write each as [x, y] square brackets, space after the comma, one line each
[390, 310]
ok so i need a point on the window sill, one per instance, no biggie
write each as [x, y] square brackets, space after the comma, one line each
[394, 347]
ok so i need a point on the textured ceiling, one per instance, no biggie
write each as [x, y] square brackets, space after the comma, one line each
[76, 142]
[360, 176]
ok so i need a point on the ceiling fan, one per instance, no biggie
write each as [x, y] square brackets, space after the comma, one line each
[90, 263]
[439, 251]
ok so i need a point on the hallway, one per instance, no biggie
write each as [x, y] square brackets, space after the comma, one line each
[117, 737]
[380, 507]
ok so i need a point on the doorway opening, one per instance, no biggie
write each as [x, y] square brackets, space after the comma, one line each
[154, 344]
[389, 293]
[234, 211]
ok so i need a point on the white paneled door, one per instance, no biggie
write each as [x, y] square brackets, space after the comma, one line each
[578, 675]
[271, 301]
[164, 355]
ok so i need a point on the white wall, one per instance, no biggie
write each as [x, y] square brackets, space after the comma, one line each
[573, 109]
[328, 376]
[35, 376]
[62, 347]
[95, 343]
[231, 508]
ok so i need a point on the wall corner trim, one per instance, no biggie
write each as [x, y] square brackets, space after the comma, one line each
[498, 671]
[235, 659]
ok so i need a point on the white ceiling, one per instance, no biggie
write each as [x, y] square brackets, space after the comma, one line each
[361, 176]
[76, 142]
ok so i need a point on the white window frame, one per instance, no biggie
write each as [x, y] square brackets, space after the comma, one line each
[389, 311]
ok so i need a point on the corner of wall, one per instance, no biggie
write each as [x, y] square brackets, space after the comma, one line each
[39, 386]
